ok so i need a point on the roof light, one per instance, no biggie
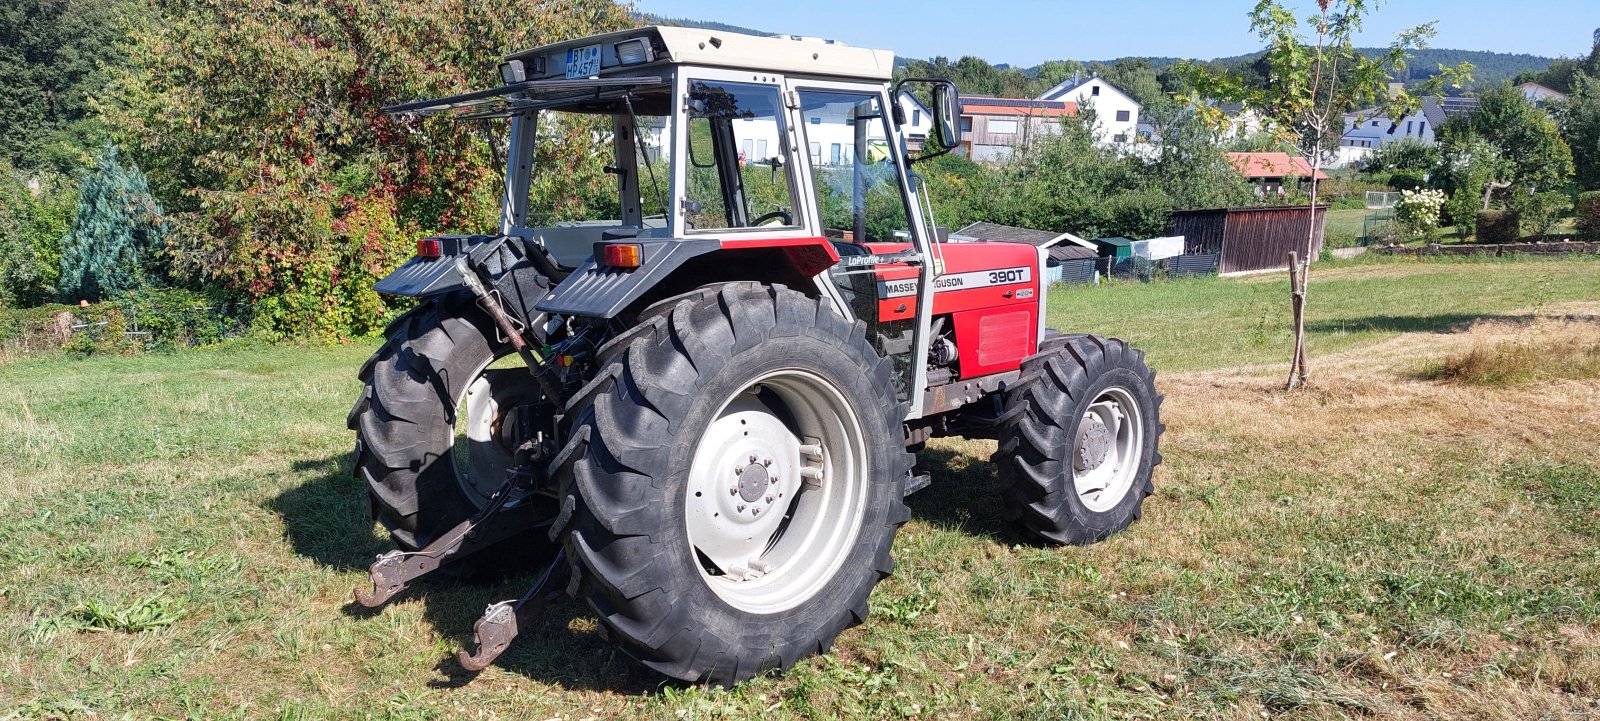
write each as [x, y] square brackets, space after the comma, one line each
[622, 255]
[429, 248]
[634, 52]
[513, 72]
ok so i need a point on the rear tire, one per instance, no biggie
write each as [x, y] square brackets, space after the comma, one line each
[406, 425]
[1079, 439]
[673, 557]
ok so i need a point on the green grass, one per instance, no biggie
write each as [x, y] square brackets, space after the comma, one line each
[1344, 227]
[182, 535]
[1201, 323]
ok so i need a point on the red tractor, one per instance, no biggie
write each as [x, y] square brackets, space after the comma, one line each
[701, 416]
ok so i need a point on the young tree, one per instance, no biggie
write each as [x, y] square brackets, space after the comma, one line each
[118, 228]
[1314, 77]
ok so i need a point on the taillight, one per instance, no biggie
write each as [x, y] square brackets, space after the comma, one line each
[622, 255]
[429, 248]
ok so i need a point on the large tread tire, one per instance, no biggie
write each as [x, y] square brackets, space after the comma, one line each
[1042, 413]
[405, 419]
[626, 467]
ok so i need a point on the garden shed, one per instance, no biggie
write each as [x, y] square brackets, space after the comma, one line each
[1249, 239]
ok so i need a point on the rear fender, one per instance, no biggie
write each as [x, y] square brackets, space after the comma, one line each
[672, 266]
[511, 273]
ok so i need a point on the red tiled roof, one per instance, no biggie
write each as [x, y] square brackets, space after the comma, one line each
[976, 105]
[1272, 165]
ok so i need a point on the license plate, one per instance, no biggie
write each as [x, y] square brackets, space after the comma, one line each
[583, 62]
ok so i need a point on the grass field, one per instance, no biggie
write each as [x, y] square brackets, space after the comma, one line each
[182, 535]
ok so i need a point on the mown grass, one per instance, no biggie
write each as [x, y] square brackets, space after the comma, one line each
[182, 535]
[1200, 323]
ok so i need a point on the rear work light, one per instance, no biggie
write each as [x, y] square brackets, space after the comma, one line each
[429, 248]
[634, 52]
[621, 255]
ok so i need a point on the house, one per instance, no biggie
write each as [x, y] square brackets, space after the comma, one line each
[1116, 114]
[1269, 170]
[1540, 95]
[991, 128]
[1370, 128]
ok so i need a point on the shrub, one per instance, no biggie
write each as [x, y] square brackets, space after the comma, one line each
[1588, 211]
[1417, 213]
[1407, 180]
[118, 228]
[1538, 213]
[1497, 226]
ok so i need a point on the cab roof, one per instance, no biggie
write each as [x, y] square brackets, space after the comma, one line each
[779, 54]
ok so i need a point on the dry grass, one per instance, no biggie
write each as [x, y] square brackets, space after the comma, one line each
[1552, 350]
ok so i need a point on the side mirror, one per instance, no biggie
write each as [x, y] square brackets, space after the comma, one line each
[946, 108]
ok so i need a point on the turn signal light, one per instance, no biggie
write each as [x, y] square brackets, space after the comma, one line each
[622, 255]
[429, 248]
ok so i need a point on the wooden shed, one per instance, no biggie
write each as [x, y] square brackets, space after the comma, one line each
[1249, 239]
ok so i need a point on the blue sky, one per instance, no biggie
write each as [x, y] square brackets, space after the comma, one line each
[1027, 32]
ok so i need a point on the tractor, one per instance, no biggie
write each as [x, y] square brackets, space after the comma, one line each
[700, 417]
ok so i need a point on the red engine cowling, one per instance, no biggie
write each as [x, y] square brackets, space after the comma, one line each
[990, 291]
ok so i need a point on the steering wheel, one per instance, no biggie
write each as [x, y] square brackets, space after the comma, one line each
[774, 215]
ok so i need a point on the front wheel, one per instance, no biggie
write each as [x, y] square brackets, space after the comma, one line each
[736, 474]
[1079, 439]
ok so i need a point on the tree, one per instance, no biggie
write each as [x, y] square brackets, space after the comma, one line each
[114, 236]
[52, 55]
[260, 124]
[1536, 158]
[35, 212]
[1310, 85]
[1579, 118]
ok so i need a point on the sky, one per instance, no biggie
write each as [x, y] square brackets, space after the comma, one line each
[1028, 32]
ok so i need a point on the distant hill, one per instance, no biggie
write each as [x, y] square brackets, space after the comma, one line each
[648, 19]
[1489, 68]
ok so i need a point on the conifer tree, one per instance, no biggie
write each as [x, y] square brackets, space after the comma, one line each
[119, 225]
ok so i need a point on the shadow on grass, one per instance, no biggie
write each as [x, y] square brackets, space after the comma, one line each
[1436, 323]
[962, 495]
[327, 519]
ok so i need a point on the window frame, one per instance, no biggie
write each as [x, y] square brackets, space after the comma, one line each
[686, 77]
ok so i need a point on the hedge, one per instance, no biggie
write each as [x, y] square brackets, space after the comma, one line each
[1497, 226]
[1587, 208]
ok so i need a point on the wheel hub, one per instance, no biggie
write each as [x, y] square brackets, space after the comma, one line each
[753, 482]
[1094, 443]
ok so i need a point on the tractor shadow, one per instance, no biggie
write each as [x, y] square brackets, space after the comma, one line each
[963, 495]
[326, 519]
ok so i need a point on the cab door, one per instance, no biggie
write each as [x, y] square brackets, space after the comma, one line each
[854, 179]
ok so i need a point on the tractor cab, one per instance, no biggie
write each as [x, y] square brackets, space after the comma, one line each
[735, 157]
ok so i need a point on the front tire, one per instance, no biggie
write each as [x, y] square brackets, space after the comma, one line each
[737, 474]
[1078, 440]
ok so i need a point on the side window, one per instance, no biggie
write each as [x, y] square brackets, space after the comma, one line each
[857, 186]
[738, 175]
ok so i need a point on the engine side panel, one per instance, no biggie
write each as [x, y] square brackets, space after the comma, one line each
[991, 293]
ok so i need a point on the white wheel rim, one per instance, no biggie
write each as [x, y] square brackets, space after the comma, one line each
[1107, 450]
[773, 508]
[480, 450]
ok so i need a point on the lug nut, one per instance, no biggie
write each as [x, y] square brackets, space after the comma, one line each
[740, 508]
[766, 461]
[769, 499]
[734, 491]
[752, 458]
[755, 511]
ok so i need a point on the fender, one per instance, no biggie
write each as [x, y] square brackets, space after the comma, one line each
[512, 271]
[597, 291]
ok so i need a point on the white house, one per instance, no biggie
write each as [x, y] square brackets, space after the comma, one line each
[1365, 131]
[1540, 95]
[1116, 114]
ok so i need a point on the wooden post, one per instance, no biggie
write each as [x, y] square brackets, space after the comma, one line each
[1297, 302]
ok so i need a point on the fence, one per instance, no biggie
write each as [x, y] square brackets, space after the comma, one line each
[1179, 266]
